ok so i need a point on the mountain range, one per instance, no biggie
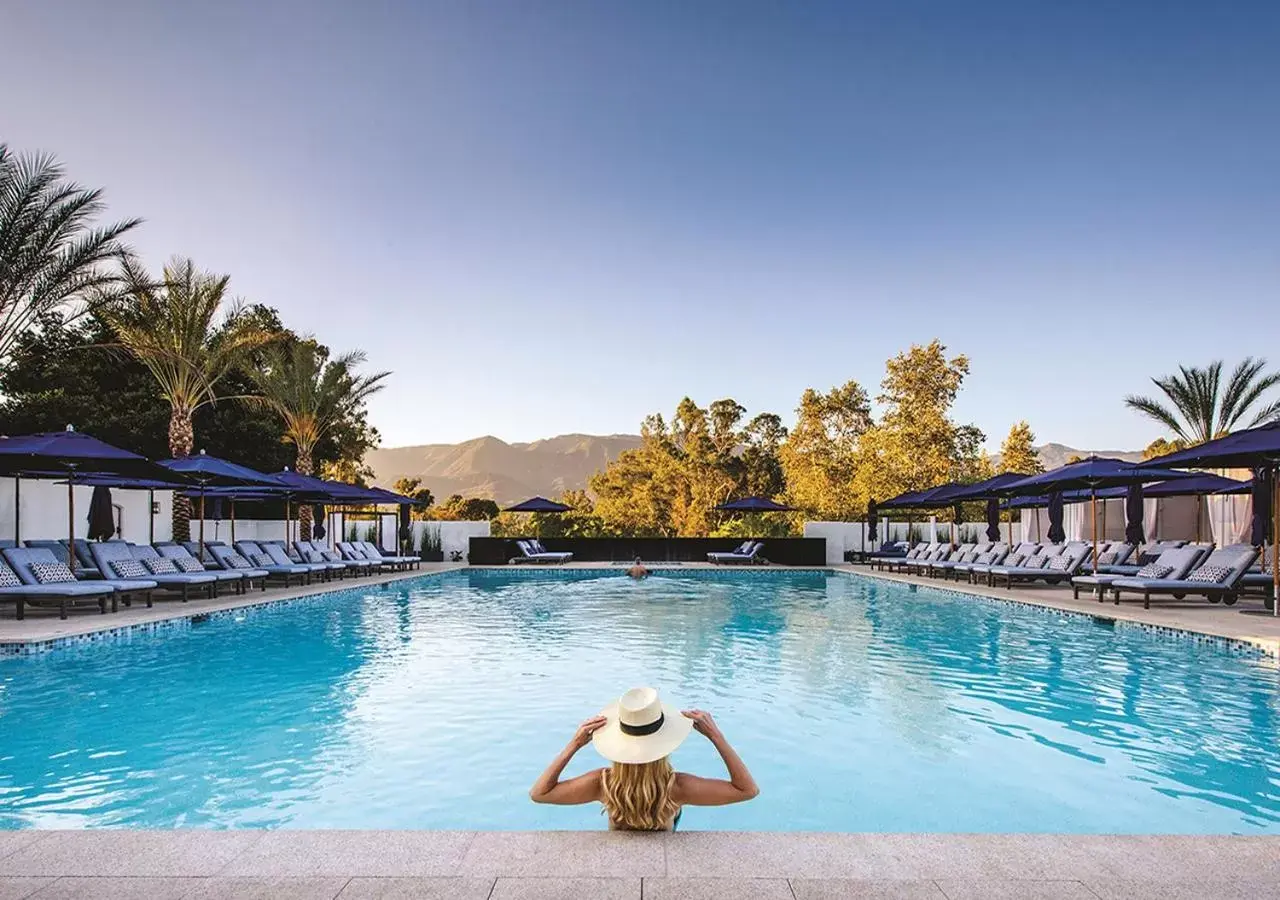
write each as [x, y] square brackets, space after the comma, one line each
[508, 473]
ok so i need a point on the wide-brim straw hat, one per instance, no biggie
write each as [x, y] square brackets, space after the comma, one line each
[641, 728]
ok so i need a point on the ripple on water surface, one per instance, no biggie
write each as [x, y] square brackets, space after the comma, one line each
[859, 705]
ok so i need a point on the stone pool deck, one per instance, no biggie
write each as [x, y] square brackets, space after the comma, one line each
[362, 865]
[1247, 621]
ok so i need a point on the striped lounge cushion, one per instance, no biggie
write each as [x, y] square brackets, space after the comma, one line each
[1210, 574]
[129, 568]
[160, 566]
[51, 572]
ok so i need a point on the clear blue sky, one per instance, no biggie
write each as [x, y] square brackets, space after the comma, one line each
[560, 216]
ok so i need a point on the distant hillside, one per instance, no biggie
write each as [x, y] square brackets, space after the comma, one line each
[490, 467]
[1054, 455]
[509, 473]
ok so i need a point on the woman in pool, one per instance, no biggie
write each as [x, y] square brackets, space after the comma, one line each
[640, 791]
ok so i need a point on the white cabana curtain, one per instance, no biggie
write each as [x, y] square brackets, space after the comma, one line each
[1150, 518]
[1230, 518]
[1075, 521]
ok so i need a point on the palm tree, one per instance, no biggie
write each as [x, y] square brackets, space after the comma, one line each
[50, 255]
[313, 394]
[1201, 410]
[188, 337]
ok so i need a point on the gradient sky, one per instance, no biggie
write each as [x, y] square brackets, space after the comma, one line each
[559, 216]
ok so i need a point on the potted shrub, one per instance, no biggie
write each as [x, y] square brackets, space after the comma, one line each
[432, 550]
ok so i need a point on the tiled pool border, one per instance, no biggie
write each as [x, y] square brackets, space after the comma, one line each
[183, 620]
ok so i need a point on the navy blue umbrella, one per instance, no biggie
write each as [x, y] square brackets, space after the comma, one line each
[1056, 533]
[1260, 531]
[753, 504]
[873, 513]
[102, 518]
[1133, 509]
[71, 455]
[205, 471]
[539, 505]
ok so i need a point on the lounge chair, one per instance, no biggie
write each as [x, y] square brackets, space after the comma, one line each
[117, 558]
[888, 550]
[1110, 553]
[29, 591]
[193, 547]
[1217, 577]
[273, 558]
[243, 579]
[315, 551]
[353, 551]
[996, 556]
[81, 568]
[372, 551]
[882, 562]
[1051, 569]
[158, 563]
[932, 551]
[328, 568]
[124, 589]
[949, 558]
[1179, 559]
[1146, 555]
[230, 558]
[746, 553]
[532, 551]
[966, 556]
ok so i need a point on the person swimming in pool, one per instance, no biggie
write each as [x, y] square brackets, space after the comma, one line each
[638, 571]
[640, 791]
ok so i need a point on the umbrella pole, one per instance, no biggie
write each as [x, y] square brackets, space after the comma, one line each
[1093, 494]
[151, 515]
[17, 511]
[1275, 533]
[202, 523]
[288, 520]
[71, 521]
[233, 521]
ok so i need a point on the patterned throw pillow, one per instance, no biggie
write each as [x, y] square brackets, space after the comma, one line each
[261, 559]
[1210, 574]
[983, 559]
[1155, 570]
[1035, 561]
[188, 564]
[235, 561]
[1014, 559]
[129, 568]
[8, 578]
[52, 573]
[1060, 563]
[1108, 559]
[160, 566]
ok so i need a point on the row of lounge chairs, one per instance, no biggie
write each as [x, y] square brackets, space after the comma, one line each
[119, 572]
[532, 551]
[746, 553]
[1174, 568]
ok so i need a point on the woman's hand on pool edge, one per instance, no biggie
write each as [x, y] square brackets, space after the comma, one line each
[704, 724]
[582, 736]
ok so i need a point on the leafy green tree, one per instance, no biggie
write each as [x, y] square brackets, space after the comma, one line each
[1018, 452]
[312, 394]
[1160, 446]
[819, 458]
[52, 257]
[916, 445]
[1202, 409]
[412, 487]
[189, 339]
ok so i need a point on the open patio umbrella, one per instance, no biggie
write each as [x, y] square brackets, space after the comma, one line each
[1253, 448]
[209, 471]
[70, 454]
[538, 505]
[1092, 474]
[988, 490]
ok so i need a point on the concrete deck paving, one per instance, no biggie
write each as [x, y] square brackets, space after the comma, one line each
[361, 865]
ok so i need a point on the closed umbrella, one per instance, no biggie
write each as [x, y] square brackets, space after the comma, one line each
[317, 519]
[1056, 534]
[1260, 532]
[1133, 515]
[102, 520]
[872, 515]
[993, 519]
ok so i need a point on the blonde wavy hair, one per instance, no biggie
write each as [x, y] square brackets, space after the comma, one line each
[637, 796]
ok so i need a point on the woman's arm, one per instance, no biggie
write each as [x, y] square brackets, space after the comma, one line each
[582, 789]
[695, 791]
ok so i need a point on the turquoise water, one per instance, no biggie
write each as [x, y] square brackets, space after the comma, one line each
[859, 705]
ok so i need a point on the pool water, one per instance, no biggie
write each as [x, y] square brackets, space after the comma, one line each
[859, 705]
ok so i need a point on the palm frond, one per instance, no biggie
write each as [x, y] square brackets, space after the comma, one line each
[1153, 409]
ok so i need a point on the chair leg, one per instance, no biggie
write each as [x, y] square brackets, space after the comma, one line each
[147, 597]
[22, 609]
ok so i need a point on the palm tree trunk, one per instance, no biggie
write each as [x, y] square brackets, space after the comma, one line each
[304, 466]
[182, 439]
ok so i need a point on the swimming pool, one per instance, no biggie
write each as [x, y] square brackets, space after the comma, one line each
[860, 705]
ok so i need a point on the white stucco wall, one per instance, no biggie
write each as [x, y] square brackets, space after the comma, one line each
[44, 511]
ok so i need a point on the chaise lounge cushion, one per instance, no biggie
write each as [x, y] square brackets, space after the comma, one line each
[9, 578]
[189, 564]
[160, 566]
[1059, 563]
[52, 572]
[129, 568]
